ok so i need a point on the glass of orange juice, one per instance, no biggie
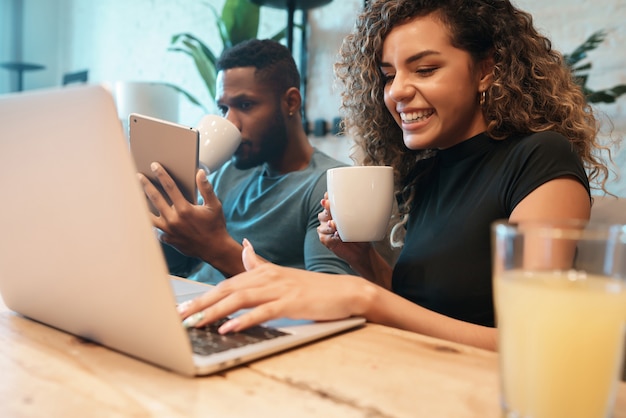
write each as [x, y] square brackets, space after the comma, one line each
[560, 299]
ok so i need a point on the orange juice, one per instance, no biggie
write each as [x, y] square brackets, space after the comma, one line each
[561, 339]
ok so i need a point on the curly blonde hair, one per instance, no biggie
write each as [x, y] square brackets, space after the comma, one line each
[533, 90]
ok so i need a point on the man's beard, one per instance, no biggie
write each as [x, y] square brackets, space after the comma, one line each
[271, 147]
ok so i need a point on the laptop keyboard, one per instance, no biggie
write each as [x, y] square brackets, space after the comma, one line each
[206, 340]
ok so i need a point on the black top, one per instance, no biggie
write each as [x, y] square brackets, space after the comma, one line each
[445, 264]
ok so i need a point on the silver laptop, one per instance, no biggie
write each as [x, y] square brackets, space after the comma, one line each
[77, 249]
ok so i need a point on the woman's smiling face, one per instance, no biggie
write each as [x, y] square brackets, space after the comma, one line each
[431, 87]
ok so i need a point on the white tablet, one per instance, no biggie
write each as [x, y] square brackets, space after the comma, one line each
[172, 145]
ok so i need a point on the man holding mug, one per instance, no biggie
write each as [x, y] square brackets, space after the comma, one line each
[269, 192]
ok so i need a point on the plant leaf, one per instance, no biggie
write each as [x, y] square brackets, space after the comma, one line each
[238, 21]
[205, 64]
[202, 56]
[241, 20]
[581, 68]
[581, 80]
[188, 37]
[606, 95]
[188, 95]
[280, 35]
[580, 53]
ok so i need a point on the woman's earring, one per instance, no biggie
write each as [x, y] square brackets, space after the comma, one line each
[483, 98]
[290, 113]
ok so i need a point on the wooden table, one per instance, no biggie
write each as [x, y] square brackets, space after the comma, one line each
[374, 371]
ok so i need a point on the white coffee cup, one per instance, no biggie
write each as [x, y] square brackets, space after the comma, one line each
[361, 201]
[219, 140]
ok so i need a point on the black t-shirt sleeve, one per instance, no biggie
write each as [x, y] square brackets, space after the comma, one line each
[536, 160]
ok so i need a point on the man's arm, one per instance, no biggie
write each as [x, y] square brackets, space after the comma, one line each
[178, 263]
[197, 231]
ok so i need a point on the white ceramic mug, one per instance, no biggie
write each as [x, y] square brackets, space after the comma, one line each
[219, 140]
[361, 201]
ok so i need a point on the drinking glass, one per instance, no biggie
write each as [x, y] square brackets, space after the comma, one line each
[560, 299]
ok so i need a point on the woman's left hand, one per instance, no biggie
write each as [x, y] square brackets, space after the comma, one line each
[277, 292]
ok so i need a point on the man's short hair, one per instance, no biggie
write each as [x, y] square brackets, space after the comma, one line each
[273, 62]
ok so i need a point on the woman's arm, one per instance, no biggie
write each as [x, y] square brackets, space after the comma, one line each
[273, 291]
[389, 309]
[558, 199]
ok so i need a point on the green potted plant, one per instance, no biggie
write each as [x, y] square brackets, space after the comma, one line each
[575, 60]
[238, 21]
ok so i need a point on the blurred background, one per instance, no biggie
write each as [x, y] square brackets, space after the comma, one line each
[126, 44]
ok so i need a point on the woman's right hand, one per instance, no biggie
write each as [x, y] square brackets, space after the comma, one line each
[353, 252]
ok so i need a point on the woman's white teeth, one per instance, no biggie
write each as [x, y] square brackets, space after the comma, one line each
[415, 116]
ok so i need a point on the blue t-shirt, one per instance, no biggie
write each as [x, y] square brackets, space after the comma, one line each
[445, 264]
[276, 212]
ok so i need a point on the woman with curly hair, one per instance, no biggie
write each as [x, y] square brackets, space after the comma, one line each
[481, 120]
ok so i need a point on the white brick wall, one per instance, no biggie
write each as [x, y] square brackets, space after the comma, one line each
[569, 23]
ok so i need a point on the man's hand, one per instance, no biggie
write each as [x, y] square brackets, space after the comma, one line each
[194, 230]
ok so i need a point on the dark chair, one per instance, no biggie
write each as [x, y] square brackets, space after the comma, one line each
[75, 77]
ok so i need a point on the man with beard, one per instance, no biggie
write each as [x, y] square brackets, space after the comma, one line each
[269, 192]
